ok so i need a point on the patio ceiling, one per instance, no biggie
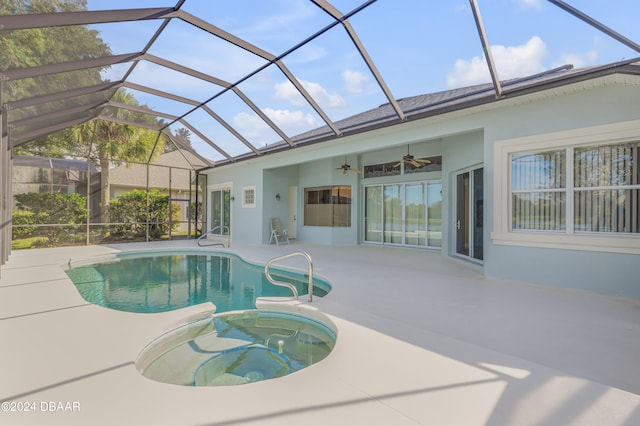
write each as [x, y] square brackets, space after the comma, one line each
[245, 84]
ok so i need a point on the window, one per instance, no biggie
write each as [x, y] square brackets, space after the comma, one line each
[327, 206]
[606, 188]
[400, 167]
[249, 197]
[429, 164]
[577, 189]
[538, 191]
[382, 169]
[600, 182]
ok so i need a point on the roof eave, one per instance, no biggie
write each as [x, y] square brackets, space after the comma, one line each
[475, 100]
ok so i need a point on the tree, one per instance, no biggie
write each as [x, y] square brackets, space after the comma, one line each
[183, 135]
[42, 46]
[116, 143]
[103, 140]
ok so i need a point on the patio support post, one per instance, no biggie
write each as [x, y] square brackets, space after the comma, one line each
[5, 187]
[147, 234]
[189, 207]
[93, 138]
[170, 202]
[88, 198]
[195, 206]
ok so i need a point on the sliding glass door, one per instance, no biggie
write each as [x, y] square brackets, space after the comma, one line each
[404, 214]
[469, 228]
[392, 214]
[373, 214]
[415, 214]
[221, 211]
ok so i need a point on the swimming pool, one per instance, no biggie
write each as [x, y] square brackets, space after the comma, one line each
[160, 281]
[237, 348]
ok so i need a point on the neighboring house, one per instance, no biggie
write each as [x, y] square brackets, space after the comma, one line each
[540, 185]
[171, 173]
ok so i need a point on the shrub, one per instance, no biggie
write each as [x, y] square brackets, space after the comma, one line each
[35, 208]
[129, 210]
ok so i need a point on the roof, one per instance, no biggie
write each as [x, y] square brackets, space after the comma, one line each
[432, 104]
[182, 158]
[170, 165]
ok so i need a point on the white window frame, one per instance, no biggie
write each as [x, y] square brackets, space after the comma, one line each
[502, 234]
[245, 191]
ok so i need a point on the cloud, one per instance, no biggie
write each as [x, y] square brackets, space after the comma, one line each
[579, 60]
[285, 118]
[354, 81]
[510, 61]
[287, 92]
[250, 126]
[257, 132]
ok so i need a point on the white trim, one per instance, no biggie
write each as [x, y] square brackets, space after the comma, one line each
[219, 186]
[588, 242]
[502, 234]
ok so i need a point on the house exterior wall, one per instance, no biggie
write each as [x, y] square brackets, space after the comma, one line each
[600, 271]
[277, 182]
[459, 152]
[465, 139]
[246, 223]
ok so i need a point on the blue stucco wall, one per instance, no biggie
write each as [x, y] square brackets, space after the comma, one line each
[465, 139]
[602, 272]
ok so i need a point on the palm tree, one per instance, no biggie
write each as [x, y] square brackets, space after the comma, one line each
[114, 142]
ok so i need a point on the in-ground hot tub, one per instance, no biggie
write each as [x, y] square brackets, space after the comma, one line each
[237, 348]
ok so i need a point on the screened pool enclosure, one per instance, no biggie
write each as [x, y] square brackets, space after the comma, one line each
[101, 100]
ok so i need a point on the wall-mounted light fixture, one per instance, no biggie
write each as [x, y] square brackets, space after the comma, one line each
[233, 198]
[278, 197]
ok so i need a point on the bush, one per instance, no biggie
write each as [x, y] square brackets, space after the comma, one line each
[129, 210]
[44, 208]
[22, 219]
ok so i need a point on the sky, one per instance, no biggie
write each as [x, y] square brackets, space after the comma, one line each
[418, 46]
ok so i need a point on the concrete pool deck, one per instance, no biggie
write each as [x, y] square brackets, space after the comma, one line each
[422, 340]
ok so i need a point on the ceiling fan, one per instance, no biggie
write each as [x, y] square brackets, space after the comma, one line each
[346, 167]
[415, 162]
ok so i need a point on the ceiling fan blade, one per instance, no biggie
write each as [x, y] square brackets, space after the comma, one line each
[414, 163]
[353, 169]
[423, 160]
[397, 165]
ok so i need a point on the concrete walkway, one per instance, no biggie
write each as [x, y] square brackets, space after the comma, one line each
[422, 340]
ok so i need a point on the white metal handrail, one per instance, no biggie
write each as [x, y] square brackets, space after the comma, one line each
[210, 232]
[286, 284]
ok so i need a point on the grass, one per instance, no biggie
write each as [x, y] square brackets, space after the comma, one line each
[27, 243]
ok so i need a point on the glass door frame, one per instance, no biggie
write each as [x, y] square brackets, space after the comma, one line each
[468, 214]
[225, 209]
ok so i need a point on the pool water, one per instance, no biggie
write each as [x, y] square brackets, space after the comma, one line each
[236, 348]
[160, 281]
